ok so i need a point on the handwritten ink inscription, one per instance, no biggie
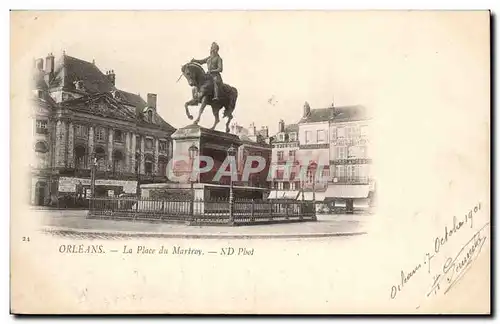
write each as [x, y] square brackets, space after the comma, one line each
[454, 267]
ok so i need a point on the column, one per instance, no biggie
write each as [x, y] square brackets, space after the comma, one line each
[157, 148]
[60, 147]
[110, 149]
[71, 146]
[127, 151]
[132, 153]
[90, 148]
[142, 155]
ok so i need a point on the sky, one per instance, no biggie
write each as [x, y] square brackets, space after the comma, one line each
[289, 57]
[381, 61]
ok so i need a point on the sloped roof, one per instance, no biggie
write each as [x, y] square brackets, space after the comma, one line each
[318, 115]
[350, 113]
[70, 69]
[291, 128]
[336, 114]
[131, 99]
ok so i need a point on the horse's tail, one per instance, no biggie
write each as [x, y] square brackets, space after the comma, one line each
[233, 101]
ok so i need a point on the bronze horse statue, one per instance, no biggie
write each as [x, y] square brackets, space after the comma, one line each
[203, 92]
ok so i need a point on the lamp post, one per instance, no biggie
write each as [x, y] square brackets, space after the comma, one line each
[231, 152]
[312, 167]
[138, 160]
[93, 167]
[193, 151]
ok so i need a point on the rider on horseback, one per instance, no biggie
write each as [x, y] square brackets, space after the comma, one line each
[214, 63]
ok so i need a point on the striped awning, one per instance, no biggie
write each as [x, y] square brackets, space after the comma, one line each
[283, 194]
[308, 195]
[347, 191]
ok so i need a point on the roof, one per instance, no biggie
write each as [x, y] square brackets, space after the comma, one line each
[69, 69]
[350, 113]
[336, 114]
[131, 99]
[318, 115]
[291, 128]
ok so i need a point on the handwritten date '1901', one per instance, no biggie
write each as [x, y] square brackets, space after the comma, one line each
[454, 267]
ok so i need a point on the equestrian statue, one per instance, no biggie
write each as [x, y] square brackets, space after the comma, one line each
[208, 88]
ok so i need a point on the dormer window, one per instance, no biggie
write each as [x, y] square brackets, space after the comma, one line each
[281, 137]
[293, 136]
[79, 85]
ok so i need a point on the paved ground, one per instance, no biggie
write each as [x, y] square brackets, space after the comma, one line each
[73, 223]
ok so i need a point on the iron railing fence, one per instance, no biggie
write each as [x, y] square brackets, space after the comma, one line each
[213, 211]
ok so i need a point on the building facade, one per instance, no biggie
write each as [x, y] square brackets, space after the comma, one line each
[82, 120]
[285, 160]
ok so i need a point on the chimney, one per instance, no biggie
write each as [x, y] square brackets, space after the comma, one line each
[49, 63]
[264, 132]
[152, 100]
[111, 76]
[252, 130]
[281, 127]
[49, 68]
[307, 109]
[39, 64]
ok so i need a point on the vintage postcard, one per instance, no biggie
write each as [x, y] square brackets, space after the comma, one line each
[250, 162]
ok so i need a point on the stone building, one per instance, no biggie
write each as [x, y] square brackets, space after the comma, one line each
[79, 115]
[285, 146]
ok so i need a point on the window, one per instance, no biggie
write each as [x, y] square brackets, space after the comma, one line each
[292, 136]
[41, 147]
[341, 132]
[163, 146]
[333, 135]
[340, 171]
[100, 134]
[81, 131]
[280, 155]
[118, 161]
[162, 166]
[292, 186]
[291, 155]
[41, 127]
[80, 157]
[149, 144]
[308, 137]
[148, 164]
[321, 136]
[280, 185]
[118, 136]
[325, 174]
[364, 131]
[352, 132]
[341, 152]
[279, 174]
[150, 116]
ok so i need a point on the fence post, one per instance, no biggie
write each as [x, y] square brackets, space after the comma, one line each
[252, 210]
[136, 208]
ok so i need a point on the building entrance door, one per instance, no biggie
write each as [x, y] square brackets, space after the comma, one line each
[40, 193]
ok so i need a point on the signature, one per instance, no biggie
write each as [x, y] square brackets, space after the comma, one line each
[454, 268]
[439, 242]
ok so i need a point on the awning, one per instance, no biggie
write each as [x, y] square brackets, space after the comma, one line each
[347, 191]
[283, 194]
[308, 195]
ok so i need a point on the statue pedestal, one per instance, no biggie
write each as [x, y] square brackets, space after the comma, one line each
[209, 142]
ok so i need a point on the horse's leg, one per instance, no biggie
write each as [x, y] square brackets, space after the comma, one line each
[215, 110]
[191, 102]
[228, 122]
[202, 108]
